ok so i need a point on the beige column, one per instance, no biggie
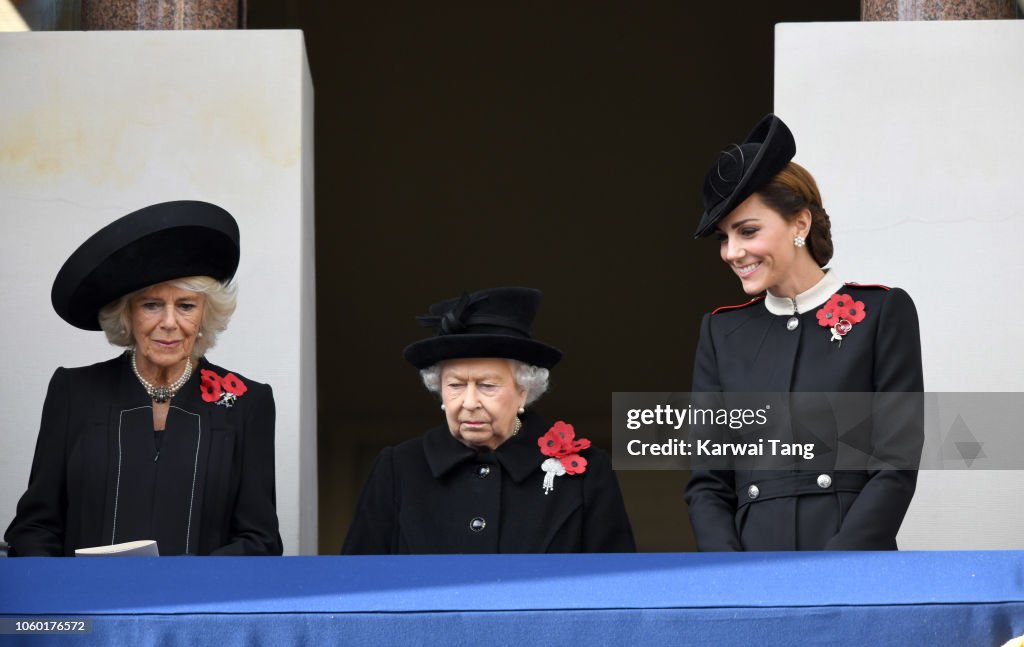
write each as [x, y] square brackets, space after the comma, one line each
[937, 9]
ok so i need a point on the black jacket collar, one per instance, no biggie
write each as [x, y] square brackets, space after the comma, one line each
[519, 455]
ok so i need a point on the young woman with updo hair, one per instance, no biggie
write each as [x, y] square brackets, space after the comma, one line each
[805, 337]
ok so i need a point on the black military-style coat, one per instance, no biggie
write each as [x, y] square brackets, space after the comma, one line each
[433, 494]
[99, 476]
[752, 349]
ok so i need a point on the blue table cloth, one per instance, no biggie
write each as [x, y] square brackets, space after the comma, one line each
[940, 598]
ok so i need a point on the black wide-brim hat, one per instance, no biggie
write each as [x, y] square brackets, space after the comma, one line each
[489, 323]
[743, 169]
[162, 242]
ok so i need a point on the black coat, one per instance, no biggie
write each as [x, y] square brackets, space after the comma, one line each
[750, 349]
[424, 495]
[98, 477]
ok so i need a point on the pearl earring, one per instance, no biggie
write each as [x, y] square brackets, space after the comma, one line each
[442, 407]
[200, 333]
[799, 241]
[522, 410]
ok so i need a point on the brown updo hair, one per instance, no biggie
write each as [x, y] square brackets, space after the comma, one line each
[791, 191]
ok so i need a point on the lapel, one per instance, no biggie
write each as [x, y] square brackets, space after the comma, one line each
[190, 425]
[765, 349]
[519, 455]
[123, 393]
[180, 477]
[443, 452]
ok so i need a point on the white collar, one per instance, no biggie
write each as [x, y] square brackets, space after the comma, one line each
[816, 296]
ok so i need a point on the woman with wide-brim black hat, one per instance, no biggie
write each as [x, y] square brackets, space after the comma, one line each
[805, 332]
[494, 477]
[157, 443]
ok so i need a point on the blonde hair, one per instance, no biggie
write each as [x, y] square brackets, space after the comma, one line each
[219, 304]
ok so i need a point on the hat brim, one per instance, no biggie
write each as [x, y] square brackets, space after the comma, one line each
[427, 352]
[777, 148]
[160, 243]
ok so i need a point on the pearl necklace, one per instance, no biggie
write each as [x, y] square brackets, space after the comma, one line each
[161, 394]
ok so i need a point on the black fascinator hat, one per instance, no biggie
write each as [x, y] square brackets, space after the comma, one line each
[162, 242]
[488, 323]
[742, 169]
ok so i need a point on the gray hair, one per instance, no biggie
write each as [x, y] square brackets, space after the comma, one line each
[530, 378]
[218, 306]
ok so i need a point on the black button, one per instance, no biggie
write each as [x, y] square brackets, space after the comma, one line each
[483, 471]
[477, 524]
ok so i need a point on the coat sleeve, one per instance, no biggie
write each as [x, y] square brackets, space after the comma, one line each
[710, 494]
[39, 523]
[897, 435]
[254, 526]
[606, 527]
[375, 523]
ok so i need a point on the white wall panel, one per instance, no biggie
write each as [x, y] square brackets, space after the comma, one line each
[914, 132]
[95, 125]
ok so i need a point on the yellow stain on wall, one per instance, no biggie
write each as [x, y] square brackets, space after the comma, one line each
[115, 144]
[57, 139]
[244, 120]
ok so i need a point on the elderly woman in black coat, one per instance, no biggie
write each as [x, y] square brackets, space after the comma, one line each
[805, 333]
[157, 443]
[493, 477]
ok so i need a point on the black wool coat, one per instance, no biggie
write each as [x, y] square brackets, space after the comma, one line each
[749, 349]
[98, 476]
[434, 495]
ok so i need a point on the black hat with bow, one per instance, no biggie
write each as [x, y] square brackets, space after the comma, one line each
[162, 242]
[742, 169]
[488, 323]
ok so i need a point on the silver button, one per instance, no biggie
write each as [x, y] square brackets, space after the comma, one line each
[477, 524]
[483, 471]
[824, 481]
[792, 323]
[753, 492]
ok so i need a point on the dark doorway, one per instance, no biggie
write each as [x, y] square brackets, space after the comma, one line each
[558, 145]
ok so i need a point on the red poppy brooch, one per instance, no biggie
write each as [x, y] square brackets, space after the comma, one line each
[221, 390]
[561, 444]
[839, 315]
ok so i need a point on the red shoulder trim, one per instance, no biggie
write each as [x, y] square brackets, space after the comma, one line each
[742, 305]
[869, 285]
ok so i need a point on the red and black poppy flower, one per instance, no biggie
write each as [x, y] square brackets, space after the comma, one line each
[210, 385]
[827, 316]
[574, 464]
[841, 306]
[561, 440]
[234, 385]
[849, 308]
